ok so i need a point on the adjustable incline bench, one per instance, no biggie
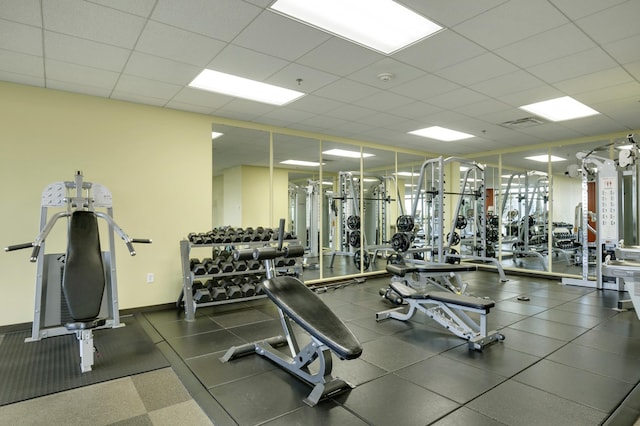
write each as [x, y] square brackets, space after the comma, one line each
[298, 303]
[441, 275]
[448, 309]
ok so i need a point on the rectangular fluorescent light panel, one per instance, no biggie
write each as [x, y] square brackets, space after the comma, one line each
[545, 158]
[239, 87]
[301, 163]
[441, 134]
[407, 174]
[345, 153]
[381, 25]
[216, 135]
[560, 109]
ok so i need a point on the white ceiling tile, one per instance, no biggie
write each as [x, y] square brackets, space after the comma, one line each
[276, 35]
[137, 98]
[178, 45]
[425, 87]
[594, 125]
[155, 68]
[84, 52]
[312, 79]
[451, 12]
[594, 81]
[76, 87]
[510, 22]
[350, 112]
[384, 101]
[201, 98]
[401, 73]
[315, 104]
[576, 10]
[615, 23]
[245, 108]
[21, 78]
[530, 96]
[353, 128]
[23, 11]
[509, 83]
[456, 98]
[221, 19]
[553, 44]
[382, 120]
[20, 38]
[93, 22]
[284, 114]
[137, 7]
[90, 77]
[485, 106]
[474, 70]
[608, 94]
[634, 69]
[323, 122]
[14, 62]
[246, 63]
[416, 110]
[339, 57]
[586, 62]
[346, 90]
[133, 85]
[439, 51]
[625, 50]
[181, 106]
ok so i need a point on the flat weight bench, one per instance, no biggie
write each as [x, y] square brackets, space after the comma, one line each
[328, 333]
[419, 275]
[447, 309]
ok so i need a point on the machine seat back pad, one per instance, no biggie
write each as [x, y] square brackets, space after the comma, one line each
[83, 278]
[305, 308]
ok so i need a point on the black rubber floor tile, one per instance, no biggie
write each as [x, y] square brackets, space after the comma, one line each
[519, 308]
[497, 358]
[514, 403]
[350, 312]
[624, 324]
[327, 413]
[610, 342]
[260, 398]
[570, 318]
[533, 344]
[213, 372]
[391, 400]
[464, 416]
[171, 329]
[615, 366]
[240, 317]
[585, 309]
[259, 330]
[204, 343]
[498, 319]
[391, 353]
[356, 371]
[599, 392]
[551, 329]
[454, 380]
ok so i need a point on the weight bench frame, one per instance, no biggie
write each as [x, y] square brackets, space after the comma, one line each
[447, 309]
[439, 275]
[295, 301]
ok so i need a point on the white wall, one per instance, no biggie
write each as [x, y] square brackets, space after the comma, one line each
[156, 162]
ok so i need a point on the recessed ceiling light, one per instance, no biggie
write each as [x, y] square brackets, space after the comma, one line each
[545, 158]
[560, 109]
[300, 163]
[227, 84]
[407, 174]
[381, 25]
[216, 135]
[441, 134]
[345, 153]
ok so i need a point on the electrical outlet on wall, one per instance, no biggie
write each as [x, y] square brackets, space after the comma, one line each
[150, 277]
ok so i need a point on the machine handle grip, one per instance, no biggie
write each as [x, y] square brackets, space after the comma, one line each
[34, 253]
[141, 240]
[132, 251]
[18, 247]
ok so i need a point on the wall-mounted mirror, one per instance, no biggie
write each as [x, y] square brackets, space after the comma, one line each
[241, 184]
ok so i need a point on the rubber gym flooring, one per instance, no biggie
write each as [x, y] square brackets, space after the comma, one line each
[568, 359]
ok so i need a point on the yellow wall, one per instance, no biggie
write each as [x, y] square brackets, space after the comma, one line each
[156, 162]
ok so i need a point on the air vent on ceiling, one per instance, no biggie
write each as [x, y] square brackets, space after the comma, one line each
[523, 122]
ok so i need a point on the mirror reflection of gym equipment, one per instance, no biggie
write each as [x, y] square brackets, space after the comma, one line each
[76, 291]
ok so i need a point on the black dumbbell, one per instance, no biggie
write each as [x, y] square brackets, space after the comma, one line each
[233, 290]
[279, 262]
[197, 267]
[200, 292]
[253, 265]
[248, 289]
[259, 289]
[240, 266]
[226, 266]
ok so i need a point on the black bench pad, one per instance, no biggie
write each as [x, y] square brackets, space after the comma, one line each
[402, 270]
[442, 296]
[305, 308]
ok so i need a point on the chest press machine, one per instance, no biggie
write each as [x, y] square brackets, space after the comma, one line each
[448, 308]
[76, 292]
[295, 301]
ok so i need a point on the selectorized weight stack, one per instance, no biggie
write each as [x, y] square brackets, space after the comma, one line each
[76, 291]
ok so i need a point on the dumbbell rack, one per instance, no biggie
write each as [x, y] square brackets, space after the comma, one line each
[188, 277]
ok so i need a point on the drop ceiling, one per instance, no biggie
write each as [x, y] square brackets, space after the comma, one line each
[492, 57]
